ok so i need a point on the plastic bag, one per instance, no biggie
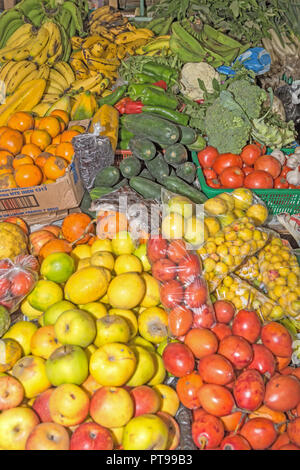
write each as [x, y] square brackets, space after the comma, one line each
[93, 153]
[17, 279]
[124, 210]
[256, 59]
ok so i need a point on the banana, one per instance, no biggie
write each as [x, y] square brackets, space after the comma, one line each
[103, 85]
[90, 41]
[54, 38]
[102, 31]
[18, 74]
[39, 42]
[44, 71]
[76, 55]
[100, 12]
[31, 76]
[63, 103]
[121, 51]
[124, 38]
[77, 64]
[57, 77]
[86, 84]
[18, 36]
[41, 109]
[50, 98]
[66, 70]
[76, 42]
[56, 56]
[54, 87]
[75, 13]
[42, 57]
[16, 53]
[89, 57]
[36, 15]
[4, 71]
[81, 74]
[10, 21]
[183, 52]
[97, 49]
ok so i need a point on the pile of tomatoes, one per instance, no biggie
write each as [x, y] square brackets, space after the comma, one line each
[251, 169]
[236, 378]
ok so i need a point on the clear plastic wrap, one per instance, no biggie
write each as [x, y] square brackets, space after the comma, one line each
[17, 279]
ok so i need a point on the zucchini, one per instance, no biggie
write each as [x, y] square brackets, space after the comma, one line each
[100, 191]
[142, 148]
[177, 185]
[188, 135]
[122, 183]
[86, 204]
[108, 176]
[187, 171]
[146, 188]
[154, 128]
[176, 154]
[158, 168]
[130, 166]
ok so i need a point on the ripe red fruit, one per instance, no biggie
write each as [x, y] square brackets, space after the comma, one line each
[207, 156]
[203, 317]
[258, 180]
[216, 399]
[282, 440]
[4, 287]
[171, 293]
[196, 294]
[247, 324]
[289, 447]
[263, 360]
[21, 283]
[277, 338]
[224, 311]
[234, 421]
[234, 442]
[189, 268]
[237, 350]
[226, 160]
[216, 369]
[91, 436]
[6, 264]
[282, 393]
[250, 154]
[269, 164]
[178, 359]
[259, 432]
[221, 330]
[187, 389]
[293, 431]
[201, 341]
[177, 251]
[180, 320]
[249, 390]
[291, 371]
[164, 270]
[156, 248]
[232, 177]
[207, 431]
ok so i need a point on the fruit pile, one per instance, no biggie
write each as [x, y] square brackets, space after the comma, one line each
[35, 151]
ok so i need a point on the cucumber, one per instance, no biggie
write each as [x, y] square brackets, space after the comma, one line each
[130, 166]
[187, 171]
[86, 204]
[100, 191]
[154, 128]
[108, 176]
[188, 135]
[158, 168]
[177, 185]
[142, 148]
[122, 183]
[146, 174]
[176, 154]
[146, 188]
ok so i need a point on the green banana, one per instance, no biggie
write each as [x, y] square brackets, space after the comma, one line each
[183, 52]
[5, 20]
[12, 27]
[188, 41]
[72, 8]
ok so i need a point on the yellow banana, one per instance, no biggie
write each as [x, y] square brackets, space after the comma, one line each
[40, 41]
[41, 109]
[102, 31]
[111, 52]
[100, 12]
[54, 38]
[76, 54]
[86, 84]
[90, 41]
[121, 51]
[66, 70]
[18, 37]
[89, 57]
[97, 49]
[16, 53]
[131, 36]
[76, 42]
[131, 27]
[44, 71]
[18, 74]
[105, 82]
[57, 77]
[56, 56]
[31, 76]
[54, 87]
[50, 98]
[81, 74]
[4, 71]
[42, 57]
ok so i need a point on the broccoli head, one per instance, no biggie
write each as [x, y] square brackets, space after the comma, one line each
[249, 96]
[227, 129]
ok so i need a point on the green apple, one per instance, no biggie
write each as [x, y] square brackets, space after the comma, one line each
[181, 205]
[112, 329]
[145, 368]
[75, 327]
[67, 365]
[145, 432]
[52, 313]
[194, 231]
[141, 253]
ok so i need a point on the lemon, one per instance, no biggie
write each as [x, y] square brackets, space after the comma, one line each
[45, 294]
[104, 259]
[101, 245]
[86, 285]
[122, 244]
[97, 309]
[128, 264]
[152, 297]
[81, 252]
[126, 291]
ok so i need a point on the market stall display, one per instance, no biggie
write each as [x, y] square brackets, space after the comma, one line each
[145, 167]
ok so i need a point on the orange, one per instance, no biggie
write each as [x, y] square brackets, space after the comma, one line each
[21, 121]
[41, 138]
[55, 167]
[22, 159]
[50, 124]
[3, 129]
[6, 158]
[31, 149]
[68, 135]
[11, 140]
[65, 150]
[28, 175]
[5, 169]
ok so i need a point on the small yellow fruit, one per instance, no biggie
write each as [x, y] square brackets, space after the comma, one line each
[128, 264]
[104, 259]
[101, 245]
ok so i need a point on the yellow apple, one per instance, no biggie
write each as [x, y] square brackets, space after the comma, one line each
[112, 329]
[44, 342]
[89, 350]
[101, 245]
[129, 316]
[103, 259]
[160, 371]
[169, 399]
[22, 332]
[90, 385]
[48, 436]
[52, 313]
[111, 407]
[113, 364]
[69, 405]
[145, 367]
[140, 341]
[97, 309]
[258, 213]
[145, 432]
[117, 435]
[243, 198]
[153, 324]
[77, 327]
[16, 424]
[128, 264]
[151, 297]
[31, 372]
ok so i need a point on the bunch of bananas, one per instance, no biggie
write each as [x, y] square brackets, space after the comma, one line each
[157, 46]
[107, 22]
[15, 74]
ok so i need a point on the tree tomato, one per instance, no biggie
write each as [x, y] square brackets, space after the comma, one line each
[213, 183]
[269, 164]
[226, 160]
[209, 173]
[281, 183]
[187, 389]
[250, 154]
[21, 283]
[207, 156]
[232, 177]
[259, 179]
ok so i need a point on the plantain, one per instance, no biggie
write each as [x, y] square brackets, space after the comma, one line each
[90, 41]
[97, 49]
[85, 84]
[100, 12]
[131, 36]
[76, 42]
[121, 51]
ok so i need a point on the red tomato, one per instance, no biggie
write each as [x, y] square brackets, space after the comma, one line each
[208, 156]
[164, 270]
[209, 173]
[203, 317]
[221, 330]
[226, 160]
[281, 183]
[250, 154]
[187, 389]
[262, 147]
[213, 183]
[247, 170]
[258, 179]
[269, 164]
[232, 177]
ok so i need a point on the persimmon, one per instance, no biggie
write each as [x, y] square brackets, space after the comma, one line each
[61, 114]
[3, 129]
[5, 169]
[65, 150]
[55, 246]
[75, 225]
[27, 136]
[41, 159]
[21, 121]
[68, 135]
[7, 181]
[55, 229]
[6, 158]
[41, 138]
[55, 167]
[56, 140]
[28, 175]
[22, 160]
[31, 149]
[11, 140]
[50, 124]
[51, 149]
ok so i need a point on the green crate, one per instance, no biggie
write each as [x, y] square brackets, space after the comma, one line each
[276, 200]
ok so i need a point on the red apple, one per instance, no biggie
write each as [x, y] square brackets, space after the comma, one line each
[177, 251]
[171, 294]
[146, 400]
[156, 248]
[196, 293]
[91, 436]
[11, 392]
[189, 268]
[204, 317]
[48, 436]
[164, 270]
[41, 405]
[178, 359]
